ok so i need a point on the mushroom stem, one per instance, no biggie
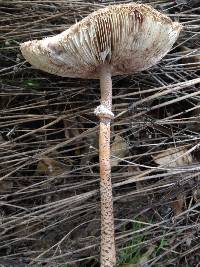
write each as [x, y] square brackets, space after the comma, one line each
[108, 254]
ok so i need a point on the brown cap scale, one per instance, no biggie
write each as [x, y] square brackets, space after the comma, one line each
[116, 40]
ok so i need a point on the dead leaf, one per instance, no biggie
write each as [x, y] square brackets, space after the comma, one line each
[144, 258]
[190, 57]
[133, 169]
[5, 186]
[92, 142]
[119, 149]
[194, 125]
[178, 204]
[189, 237]
[72, 128]
[173, 157]
[136, 170]
[196, 195]
[51, 167]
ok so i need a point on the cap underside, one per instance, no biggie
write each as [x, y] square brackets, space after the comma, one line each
[129, 37]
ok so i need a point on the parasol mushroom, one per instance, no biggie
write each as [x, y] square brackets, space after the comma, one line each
[116, 40]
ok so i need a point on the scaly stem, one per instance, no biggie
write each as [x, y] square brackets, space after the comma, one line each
[108, 254]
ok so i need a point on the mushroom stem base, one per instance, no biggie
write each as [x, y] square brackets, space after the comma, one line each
[108, 254]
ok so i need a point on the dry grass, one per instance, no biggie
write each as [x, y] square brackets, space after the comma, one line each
[49, 184]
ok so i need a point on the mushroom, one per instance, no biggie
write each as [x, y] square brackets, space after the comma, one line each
[116, 40]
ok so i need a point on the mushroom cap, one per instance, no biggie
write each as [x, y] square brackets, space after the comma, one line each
[129, 37]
